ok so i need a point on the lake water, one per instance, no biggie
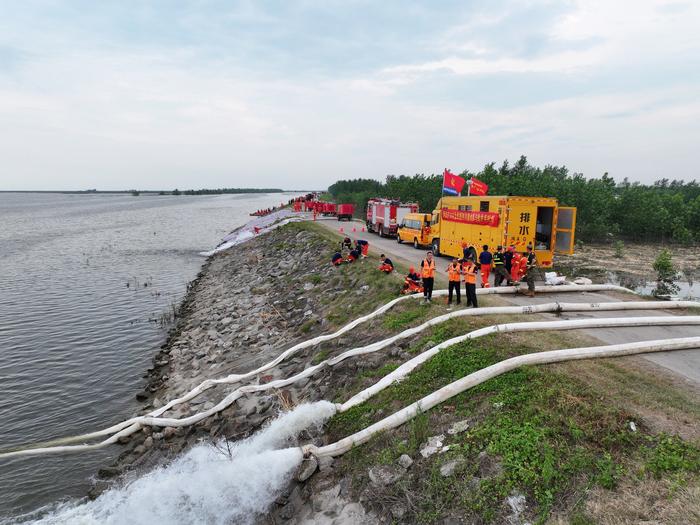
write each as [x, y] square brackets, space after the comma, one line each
[86, 282]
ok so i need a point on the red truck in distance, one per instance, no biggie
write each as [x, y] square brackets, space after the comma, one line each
[345, 211]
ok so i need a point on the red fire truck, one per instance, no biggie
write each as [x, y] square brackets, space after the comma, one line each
[345, 211]
[329, 208]
[385, 215]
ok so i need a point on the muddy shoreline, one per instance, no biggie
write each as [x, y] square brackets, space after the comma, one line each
[631, 265]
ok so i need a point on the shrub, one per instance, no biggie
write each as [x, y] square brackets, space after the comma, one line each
[666, 274]
[619, 249]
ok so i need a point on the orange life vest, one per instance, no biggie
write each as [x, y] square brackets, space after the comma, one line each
[453, 272]
[428, 270]
[469, 273]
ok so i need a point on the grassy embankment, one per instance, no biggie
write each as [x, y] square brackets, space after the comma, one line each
[558, 434]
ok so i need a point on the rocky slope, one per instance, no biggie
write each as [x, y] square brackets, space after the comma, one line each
[245, 307]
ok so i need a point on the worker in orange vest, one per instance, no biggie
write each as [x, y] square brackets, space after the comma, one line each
[469, 270]
[428, 275]
[454, 276]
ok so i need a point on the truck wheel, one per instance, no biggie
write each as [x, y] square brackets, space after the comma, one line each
[415, 243]
[398, 238]
[436, 247]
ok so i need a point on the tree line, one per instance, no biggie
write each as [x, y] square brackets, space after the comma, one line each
[665, 211]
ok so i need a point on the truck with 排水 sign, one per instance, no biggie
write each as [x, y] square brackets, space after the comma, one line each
[385, 215]
[503, 220]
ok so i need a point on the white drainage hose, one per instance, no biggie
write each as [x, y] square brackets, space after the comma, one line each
[410, 365]
[235, 378]
[132, 425]
[476, 378]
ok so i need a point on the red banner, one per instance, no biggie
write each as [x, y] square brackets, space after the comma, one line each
[477, 187]
[482, 218]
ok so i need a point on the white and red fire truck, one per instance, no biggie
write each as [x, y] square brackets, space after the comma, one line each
[384, 215]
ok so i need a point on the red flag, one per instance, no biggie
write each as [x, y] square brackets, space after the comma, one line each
[477, 187]
[451, 183]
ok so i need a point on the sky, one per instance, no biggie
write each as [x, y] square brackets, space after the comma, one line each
[298, 94]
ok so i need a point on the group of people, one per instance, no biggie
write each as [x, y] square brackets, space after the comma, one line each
[457, 270]
[265, 211]
[509, 267]
[361, 249]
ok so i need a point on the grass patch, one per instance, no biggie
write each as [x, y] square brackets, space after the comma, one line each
[402, 320]
[319, 356]
[552, 435]
[314, 278]
[379, 372]
[307, 326]
[672, 455]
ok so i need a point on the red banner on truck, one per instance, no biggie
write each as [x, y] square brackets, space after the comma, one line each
[482, 218]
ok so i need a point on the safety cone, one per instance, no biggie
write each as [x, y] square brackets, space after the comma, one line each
[354, 229]
[340, 230]
[363, 229]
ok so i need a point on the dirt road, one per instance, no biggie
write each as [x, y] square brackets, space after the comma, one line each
[684, 363]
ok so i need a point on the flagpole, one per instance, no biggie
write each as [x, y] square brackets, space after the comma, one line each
[442, 190]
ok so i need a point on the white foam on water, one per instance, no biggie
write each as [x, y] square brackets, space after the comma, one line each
[206, 484]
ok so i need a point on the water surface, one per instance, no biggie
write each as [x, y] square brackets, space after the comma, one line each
[86, 283]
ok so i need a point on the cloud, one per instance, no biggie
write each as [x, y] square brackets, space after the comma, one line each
[220, 94]
[592, 34]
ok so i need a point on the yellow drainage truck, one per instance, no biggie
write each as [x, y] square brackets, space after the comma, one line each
[494, 220]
